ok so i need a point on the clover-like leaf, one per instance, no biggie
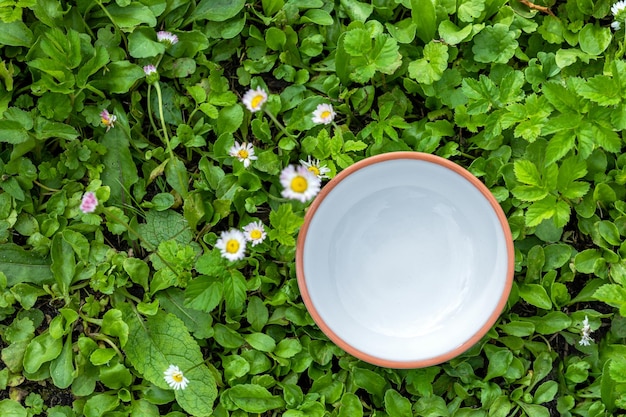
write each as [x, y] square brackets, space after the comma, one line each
[495, 43]
[430, 68]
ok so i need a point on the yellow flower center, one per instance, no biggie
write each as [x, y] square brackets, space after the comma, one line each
[314, 170]
[256, 101]
[299, 184]
[232, 246]
[256, 234]
[105, 121]
[177, 377]
[243, 154]
[325, 114]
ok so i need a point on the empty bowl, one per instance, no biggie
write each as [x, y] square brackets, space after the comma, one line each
[405, 260]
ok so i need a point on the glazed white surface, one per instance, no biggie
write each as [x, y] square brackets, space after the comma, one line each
[405, 260]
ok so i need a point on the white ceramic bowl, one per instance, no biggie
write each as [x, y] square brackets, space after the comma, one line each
[405, 260]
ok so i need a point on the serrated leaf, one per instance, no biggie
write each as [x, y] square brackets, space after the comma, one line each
[526, 172]
[495, 44]
[614, 295]
[529, 192]
[617, 370]
[469, 10]
[559, 145]
[601, 89]
[162, 226]
[234, 293]
[540, 211]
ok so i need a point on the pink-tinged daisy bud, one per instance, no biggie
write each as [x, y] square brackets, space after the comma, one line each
[152, 75]
[108, 119]
[254, 99]
[243, 152]
[299, 183]
[89, 203]
[167, 37]
[324, 114]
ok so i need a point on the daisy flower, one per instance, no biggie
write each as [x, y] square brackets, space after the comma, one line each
[254, 232]
[619, 11]
[232, 245]
[89, 203]
[313, 165]
[149, 70]
[254, 99]
[300, 183]
[108, 119]
[175, 378]
[323, 114]
[585, 339]
[167, 37]
[243, 152]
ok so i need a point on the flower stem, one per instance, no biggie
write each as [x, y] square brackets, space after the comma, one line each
[165, 135]
[278, 124]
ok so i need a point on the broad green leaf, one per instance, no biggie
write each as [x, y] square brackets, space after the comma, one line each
[536, 295]
[552, 322]
[132, 15]
[20, 265]
[350, 406]
[452, 34]
[288, 348]
[370, 381]
[253, 398]
[114, 325]
[425, 17]
[100, 404]
[357, 10]
[217, 10]
[614, 295]
[470, 10]
[545, 392]
[13, 132]
[176, 176]
[397, 405]
[15, 34]
[559, 145]
[234, 293]
[162, 226]
[257, 313]
[227, 337]
[142, 44]
[601, 89]
[534, 410]
[204, 293]
[594, 39]
[495, 43]
[499, 362]
[261, 341]
[518, 328]
[541, 210]
[41, 349]
[119, 78]
[617, 370]
[163, 340]
[430, 68]
[12, 408]
[200, 324]
[526, 172]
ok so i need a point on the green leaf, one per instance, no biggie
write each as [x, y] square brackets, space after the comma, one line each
[20, 265]
[253, 398]
[162, 226]
[540, 211]
[13, 132]
[370, 381]
[451, 33]
[559, 145]
[131, 15]
[63, 263]
[261, 341]
[396, 405]
[536, 295]
[216, 10]
[41, 349]
[176, 176]
[545, 392]
[601, 89]
[227, 337]
[234, 293]
[424, 15]
[617, 370]
[470, 10]
[526, 172]
[430, 68]
[15, 34]
[495, 44]
[114, 325]
[100, 404]
[350, 406]
[62, 367]
[204, 293]
[613, 295]
[11, 408]
[119, 78]
[356, 10]
[141, 43]
[499, 363]
[162, 340]
[594, 39]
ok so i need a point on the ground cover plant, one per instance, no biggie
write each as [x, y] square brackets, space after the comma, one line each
[157, 158]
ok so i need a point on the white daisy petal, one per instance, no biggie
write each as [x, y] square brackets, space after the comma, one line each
[254, 99]
[299, 183]
[175, 378]
[243, 152]
[254, 232]
[324, 114]
[232, 245]
[314, 166]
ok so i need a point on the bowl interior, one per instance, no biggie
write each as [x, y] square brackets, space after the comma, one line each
[405, 262]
